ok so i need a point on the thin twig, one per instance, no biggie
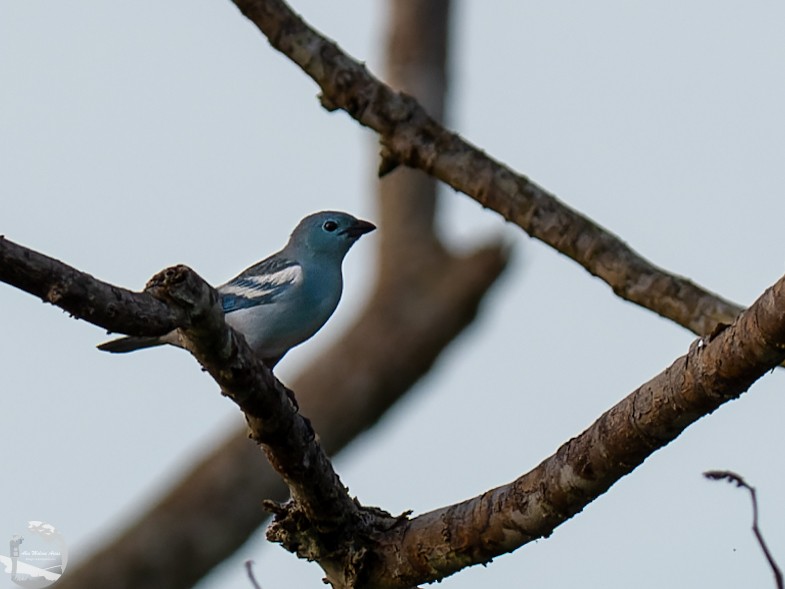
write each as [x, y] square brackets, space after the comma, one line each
[732, 477]
[249, 568]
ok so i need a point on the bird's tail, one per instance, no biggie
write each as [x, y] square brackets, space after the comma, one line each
[129, 344]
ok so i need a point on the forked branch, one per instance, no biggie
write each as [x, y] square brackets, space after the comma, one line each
[366, 547]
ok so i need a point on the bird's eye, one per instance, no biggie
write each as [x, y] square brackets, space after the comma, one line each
[330, 226]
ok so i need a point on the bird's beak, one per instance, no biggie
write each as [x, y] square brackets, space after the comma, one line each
[359, 228]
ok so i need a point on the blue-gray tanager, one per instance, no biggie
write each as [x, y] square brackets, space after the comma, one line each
[286, 298]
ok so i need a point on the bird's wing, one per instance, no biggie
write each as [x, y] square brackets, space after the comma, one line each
[261, 284]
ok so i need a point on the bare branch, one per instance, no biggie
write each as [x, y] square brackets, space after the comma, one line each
[412, 137]
[732, 477]
[251, 577]
[714, 371]
[287, 438]
[81, 295]
[365, 546]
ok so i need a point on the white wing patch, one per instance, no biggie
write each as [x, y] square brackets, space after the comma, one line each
[260, 286]
[291, 274]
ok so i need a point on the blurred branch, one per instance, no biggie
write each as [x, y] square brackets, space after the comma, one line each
[415, 63]
[732, 477]
[251, 577]
[410, 136]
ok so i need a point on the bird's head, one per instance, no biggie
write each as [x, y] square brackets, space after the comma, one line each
[329, 232]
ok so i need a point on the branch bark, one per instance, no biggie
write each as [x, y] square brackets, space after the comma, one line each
[410, 136]
[321, 521]
[361, 547]
[716, 370]
[83, 296]
[288, 439]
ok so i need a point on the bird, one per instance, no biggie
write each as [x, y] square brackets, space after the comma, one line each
[282, 301]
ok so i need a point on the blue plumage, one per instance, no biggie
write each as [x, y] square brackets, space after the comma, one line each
[286, 298]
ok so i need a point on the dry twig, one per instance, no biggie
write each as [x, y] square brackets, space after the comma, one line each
[732, 477]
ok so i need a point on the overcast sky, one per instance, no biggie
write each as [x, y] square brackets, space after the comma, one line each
[135, 135]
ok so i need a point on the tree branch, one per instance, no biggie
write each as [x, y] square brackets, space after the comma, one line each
[716, 369]
[415, 63]
[732, 477]
[111, 307]
[272, 415]
[365, 547]
[321, 522]
[412, 137]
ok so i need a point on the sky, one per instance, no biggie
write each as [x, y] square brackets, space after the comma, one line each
[136, 135]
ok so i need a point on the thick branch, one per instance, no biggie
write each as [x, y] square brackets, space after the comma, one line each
[716, 369]
[410, 136]
[287, 438]
[111, 307]
[397, 553]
